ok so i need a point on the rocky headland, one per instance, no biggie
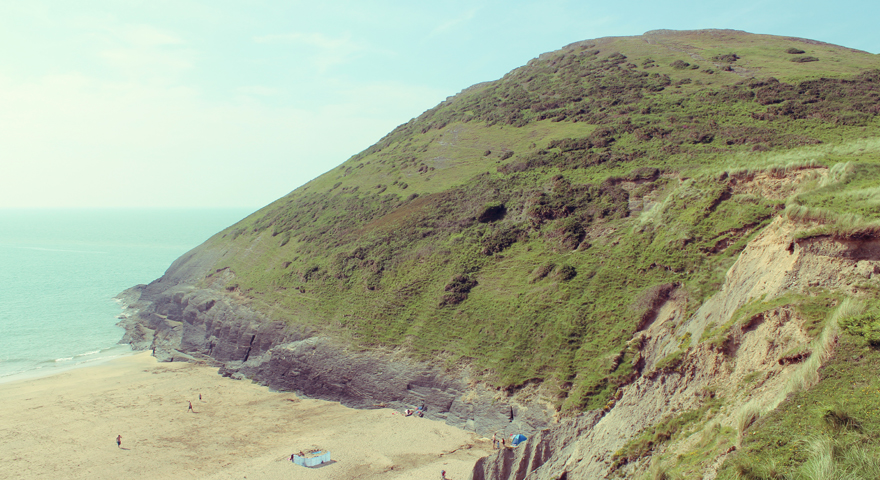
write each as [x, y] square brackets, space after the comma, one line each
[645, 253]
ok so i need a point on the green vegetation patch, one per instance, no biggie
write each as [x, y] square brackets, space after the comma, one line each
[834, 427]
[673, 427]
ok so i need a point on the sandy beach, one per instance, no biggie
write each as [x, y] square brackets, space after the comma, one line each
[65, 426]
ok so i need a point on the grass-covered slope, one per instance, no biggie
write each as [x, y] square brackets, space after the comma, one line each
[528, 226]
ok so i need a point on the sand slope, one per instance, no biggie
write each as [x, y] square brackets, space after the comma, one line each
[65, 426]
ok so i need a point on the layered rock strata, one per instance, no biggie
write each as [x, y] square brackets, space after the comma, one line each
[184, 323]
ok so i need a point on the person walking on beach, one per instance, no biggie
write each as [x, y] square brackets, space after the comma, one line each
[191, 407]
[494, 442]
[443, 475]
[118, 441]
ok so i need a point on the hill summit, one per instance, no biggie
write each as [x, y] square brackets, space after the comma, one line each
[631, 241]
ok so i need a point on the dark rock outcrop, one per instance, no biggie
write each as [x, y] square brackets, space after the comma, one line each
[517, 463]
[184, 323]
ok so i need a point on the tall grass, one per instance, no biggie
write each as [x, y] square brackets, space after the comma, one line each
[803, 157]
[773, 167]
[837, 222]
[837, 173]
[658, 472]
[864, 462]
[820, 465]
[807, 373]
[840, 458]
[842, 225]
[822, 347]
[745, 417]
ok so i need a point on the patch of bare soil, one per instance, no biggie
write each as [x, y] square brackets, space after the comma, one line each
[772, 185]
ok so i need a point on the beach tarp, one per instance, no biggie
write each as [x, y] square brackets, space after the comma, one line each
[313, 461]
[517, 439]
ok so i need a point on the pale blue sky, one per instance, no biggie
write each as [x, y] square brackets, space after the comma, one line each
[190, 103]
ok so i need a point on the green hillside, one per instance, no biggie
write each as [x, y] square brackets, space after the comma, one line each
[527, 227]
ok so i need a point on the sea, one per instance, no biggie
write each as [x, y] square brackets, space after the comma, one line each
[61, 269]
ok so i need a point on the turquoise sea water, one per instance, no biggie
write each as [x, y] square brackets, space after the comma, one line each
[60, 269]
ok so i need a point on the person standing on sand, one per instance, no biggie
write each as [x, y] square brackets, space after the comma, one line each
[191, 407]
[494, 442]
[118, 441]
[443, 475]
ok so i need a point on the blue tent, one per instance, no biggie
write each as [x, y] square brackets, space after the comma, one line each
[517, 439]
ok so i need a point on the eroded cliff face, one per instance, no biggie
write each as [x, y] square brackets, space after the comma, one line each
[185, 323]
[773, 264]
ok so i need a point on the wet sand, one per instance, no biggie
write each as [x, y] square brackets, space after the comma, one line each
[65, 426]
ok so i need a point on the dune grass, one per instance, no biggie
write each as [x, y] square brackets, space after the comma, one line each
[823, 424]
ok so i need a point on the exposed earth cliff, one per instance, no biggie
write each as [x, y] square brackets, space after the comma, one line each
[651, 250]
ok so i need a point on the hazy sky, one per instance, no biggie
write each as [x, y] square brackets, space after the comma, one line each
[218, 103]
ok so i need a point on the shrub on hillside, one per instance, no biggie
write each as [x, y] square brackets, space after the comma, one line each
[697, 137]
[570, 144]
[804, 59]
[457, 289]
[566, 273]
[839, 418]
[285, 238]
[498, 240]
[773, 91]
[794, 51]
[727, 58]
[492, 212]
[643, 174]
[615, 58]
[643, 134]
[679, 64]
[542, 272]
[571, 233]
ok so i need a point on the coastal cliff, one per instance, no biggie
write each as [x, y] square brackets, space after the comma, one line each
[188, 324]
[644, 253]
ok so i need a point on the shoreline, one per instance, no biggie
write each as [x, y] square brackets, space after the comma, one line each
[52, 369]
[64, 425]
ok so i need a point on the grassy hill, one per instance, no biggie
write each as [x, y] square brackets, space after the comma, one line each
[528, 227]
